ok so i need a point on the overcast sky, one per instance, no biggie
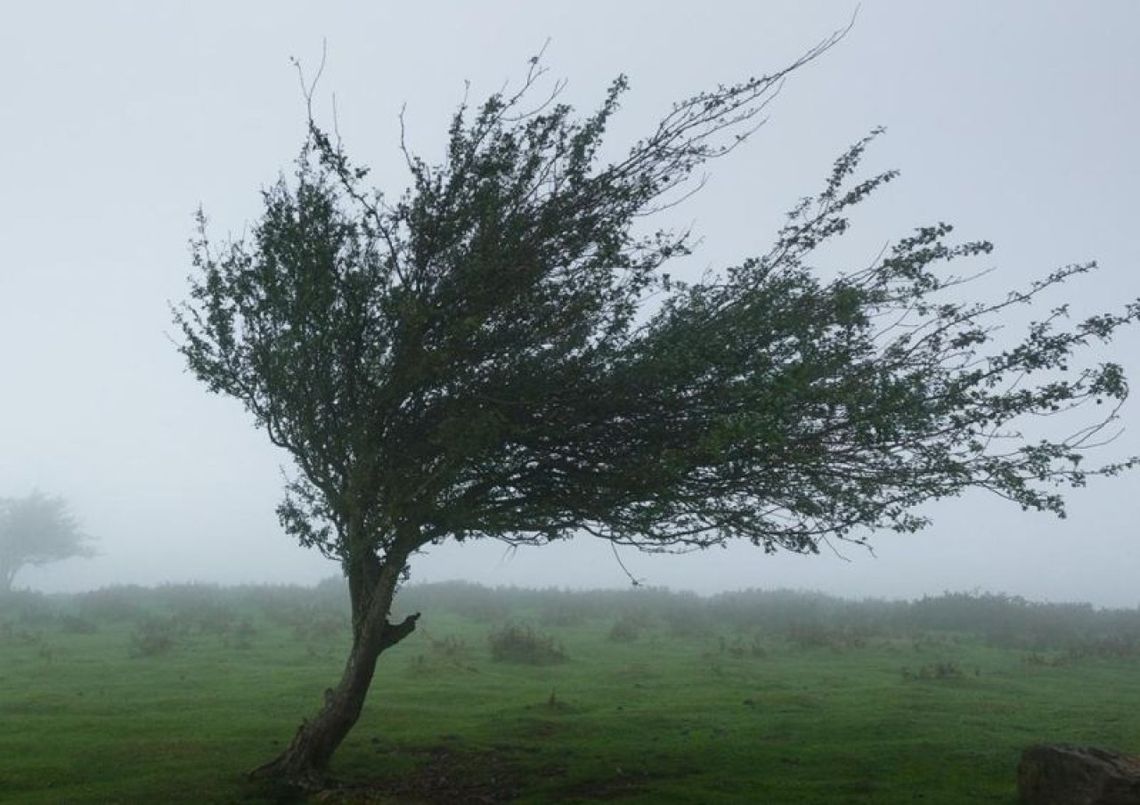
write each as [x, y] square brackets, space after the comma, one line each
[1016, 121]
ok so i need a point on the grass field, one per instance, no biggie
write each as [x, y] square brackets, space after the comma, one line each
[170, 695]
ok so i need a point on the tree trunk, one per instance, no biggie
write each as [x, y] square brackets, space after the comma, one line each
[7, 575]
[304, 763]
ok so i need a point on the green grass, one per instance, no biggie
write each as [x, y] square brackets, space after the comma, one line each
[728, 714]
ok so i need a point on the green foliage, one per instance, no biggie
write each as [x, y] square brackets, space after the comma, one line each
[935, 670]
[518, 643]
[498, 350]
[625, 630]
[450, 647]
[154, 637]
[76, 624]
[241, 635]
[115, 604]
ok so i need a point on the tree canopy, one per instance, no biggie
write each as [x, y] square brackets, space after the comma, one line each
[498, 352]
[35, 530]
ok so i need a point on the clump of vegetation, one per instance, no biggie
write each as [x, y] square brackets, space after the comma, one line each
[517, 643]
[205, 617]
[818, 635]
[154, 637]
[314, 626]
[33, 610]
[76, 624]
[626, 629]
[311, 626]
[739, 650]
[450, 651]
[561, 615]
[688, 621]
[470, 601]
[935, 670]
[113, 604]
[241, 635]
[450, 647]
[1036, 659]
[1116, 647]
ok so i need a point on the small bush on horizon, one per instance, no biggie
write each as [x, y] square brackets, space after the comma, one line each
[562, 616]
[936, 670]
[153, 637]
[517, 643]
[112, 604]
[77, 624]
[451, 646]
[626, 629]
[241, 635]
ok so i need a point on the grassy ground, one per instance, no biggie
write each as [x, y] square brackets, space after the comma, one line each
[145, 699]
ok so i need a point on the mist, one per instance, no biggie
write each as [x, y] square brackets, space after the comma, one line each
[1015, 122]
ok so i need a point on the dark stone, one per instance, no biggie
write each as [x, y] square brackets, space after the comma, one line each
[1064, 774]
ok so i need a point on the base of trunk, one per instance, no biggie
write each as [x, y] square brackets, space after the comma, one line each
[304, 763]
[294, 767]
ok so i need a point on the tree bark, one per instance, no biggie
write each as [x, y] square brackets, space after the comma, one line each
[304, 763]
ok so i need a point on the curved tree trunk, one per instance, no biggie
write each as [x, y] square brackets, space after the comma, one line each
[304, 763]
[7, 575]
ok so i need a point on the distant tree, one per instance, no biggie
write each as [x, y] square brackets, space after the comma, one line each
[497, 353]
[35, 530]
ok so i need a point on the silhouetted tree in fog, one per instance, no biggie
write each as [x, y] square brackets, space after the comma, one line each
[35, 530]
[497, 352]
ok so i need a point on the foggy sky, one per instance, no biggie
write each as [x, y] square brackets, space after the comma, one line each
[1016, 121]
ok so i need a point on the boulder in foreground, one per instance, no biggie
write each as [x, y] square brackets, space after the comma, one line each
[1064, 774]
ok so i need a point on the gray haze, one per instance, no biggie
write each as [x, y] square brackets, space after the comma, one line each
[1016, 121]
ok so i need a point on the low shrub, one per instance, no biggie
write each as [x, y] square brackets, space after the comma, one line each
[935, 670]
[112, 604]
[76, 624]
[241, 635]
[739, 649]
[447, 653]
[205, 617]
[625, 630]
[561, 615]
[153, 637]
[449, 647]
[1111, 647]
[688, 618]
[33, 610]
[520, 644]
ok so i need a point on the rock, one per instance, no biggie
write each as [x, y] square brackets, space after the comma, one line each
[1064, 774]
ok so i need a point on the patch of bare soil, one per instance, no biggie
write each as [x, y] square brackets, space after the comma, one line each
[624, 782]
[621, 784]
[446, 776]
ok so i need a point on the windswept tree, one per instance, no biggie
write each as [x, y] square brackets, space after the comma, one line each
[497, 352]
[36, 530]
